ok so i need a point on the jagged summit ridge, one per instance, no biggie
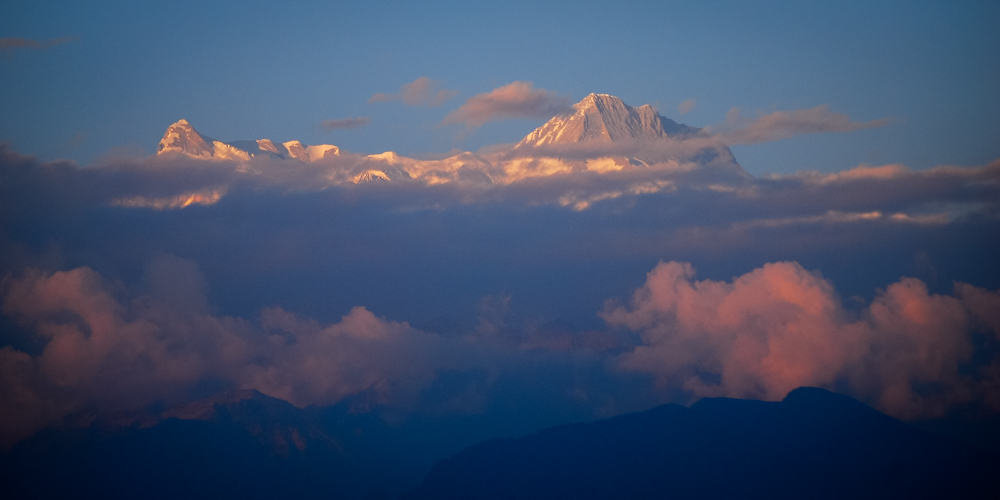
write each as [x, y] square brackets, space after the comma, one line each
[605, 118]
[617, 136]
[182, 138]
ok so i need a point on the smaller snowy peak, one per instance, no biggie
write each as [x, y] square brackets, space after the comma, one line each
[296, 150]
[299, 151]
[389, 157]
[321, 151]
[269, 145]
[370, 175]
[182, 138]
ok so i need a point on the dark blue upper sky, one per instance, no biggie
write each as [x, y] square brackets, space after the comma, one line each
[245, 70]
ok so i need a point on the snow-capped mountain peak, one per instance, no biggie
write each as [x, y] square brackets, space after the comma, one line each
[605, 118]
[182, 138]
[619, 136]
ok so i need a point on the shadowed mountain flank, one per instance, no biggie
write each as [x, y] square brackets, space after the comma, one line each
[238, 444]
[814, 444]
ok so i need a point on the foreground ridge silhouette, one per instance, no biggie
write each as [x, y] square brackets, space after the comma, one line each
[244, 444]
[813, 444]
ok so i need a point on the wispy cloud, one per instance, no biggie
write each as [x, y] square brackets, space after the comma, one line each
[784, 124]
[685, 106]
[514, 100]
[9, 45]
[421, 92]
[345, 123]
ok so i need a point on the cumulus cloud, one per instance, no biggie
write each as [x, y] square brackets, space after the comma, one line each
[685, 106]
[779, 327]
[9, 45]
[113, 354]
[291, 249]
[421, 92]
[100, 351]
[514, 100]
[776, 328]
[111, 349]
[784, 124]
[345, 123]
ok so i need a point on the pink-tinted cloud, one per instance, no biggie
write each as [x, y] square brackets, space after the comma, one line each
[780, 327]
[112, 350]
[104, 352]
[784, 124]
[310, 363]
[686, 106]
[114, 354]
[9, 45]
[762, 334]
[421, 92]
[514, 100]
[345, 123]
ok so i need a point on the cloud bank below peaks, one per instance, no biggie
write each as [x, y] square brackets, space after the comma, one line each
[764, 333]
[118, 354]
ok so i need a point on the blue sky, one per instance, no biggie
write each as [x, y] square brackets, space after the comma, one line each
[243, 70]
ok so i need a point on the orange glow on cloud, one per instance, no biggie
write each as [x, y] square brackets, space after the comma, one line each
[780, 327]
[167, 203]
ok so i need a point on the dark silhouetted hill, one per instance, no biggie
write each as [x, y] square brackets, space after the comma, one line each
[235, 445]
[814, 444]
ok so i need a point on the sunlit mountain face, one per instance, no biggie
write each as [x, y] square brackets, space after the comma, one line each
[446, 251]
[595, 135]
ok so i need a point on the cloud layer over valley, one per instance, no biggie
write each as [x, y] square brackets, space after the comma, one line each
[426, 286]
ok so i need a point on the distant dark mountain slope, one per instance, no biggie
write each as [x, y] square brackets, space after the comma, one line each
[814, 444]
[236, 445]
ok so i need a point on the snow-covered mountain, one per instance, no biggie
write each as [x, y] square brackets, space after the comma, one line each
[599, 134]
[182, 138]
[605, 118]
